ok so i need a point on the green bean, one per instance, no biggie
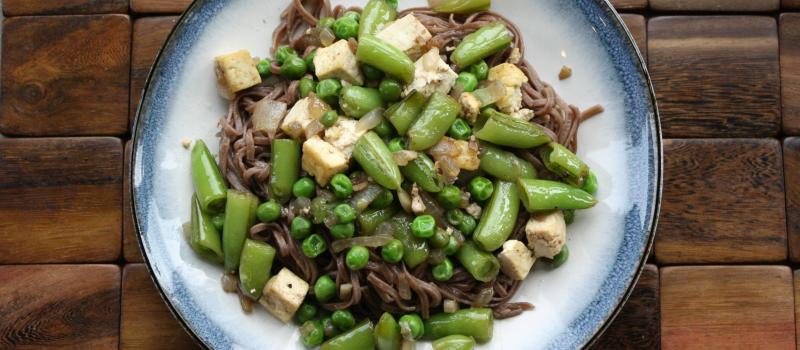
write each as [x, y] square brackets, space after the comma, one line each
[285, 169]
[499, 216]
[415, 249]
[503, 164]
[376, 14]
[240, 214]
[474, 322]
[423, 172]
[374, 157]
[562, 162]
[403, 114]
[204, 238]
[539, 195]
[483, 43]
[384, 56]
[387, 333]
[439, 113]
[369, 219]
[454, 342]
[461, 7]
[361, 336]
[254, 267]
[504, 130]
[208, 181]
[356, 101]
[481, 265]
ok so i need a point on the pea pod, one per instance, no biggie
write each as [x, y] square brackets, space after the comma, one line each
[356, 101]
[461, 7]
[454, 342]
[204, 237]
[369, 220]
[387, 333]
[504, 130]
[254, 267]
[240, 215]
[384, 56]
[376, 160]
[422, 171]
[285, 169]
[208, 181]
[483, 43]
[481, 265]
[375, 16]
[474, 322]
[415, 249]
[539, 195]
[499, 217]
[562, 162]
[361, 336]
[439, 113]
[404, 113]
[503, 164]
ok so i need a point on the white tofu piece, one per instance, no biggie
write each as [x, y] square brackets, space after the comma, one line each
[337, 61]
[470, 106]
[523, 114]
[343, 135]
[407, 34]
[464, 154]
[431, 74]
[303, 113]
[237, 71]
[512, 78]
[283, 295]
[516, 260]
[322, 160]
[547, 233]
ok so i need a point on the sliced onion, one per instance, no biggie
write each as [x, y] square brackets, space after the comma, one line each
[484, 297]
[450, 306]
[370, 120]
[385, 228]
[408, 344]
[445, 147]
[345, 291]
[361, 200]
[403, 157]
[267, 116]
[366, 241]
[311, 37]
[186, 228]
[300, 206]
[405, 199]
[436, 256]
[491, 93]
[246, 303]
[229, 283]
[326, 37]
[474, 210]
[449, 168]
[314, 128]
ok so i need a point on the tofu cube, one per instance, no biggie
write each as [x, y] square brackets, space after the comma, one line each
[407, 34]
[303, 113]
[547, 233]
[322, 160]
[337, 61]
[512, 78]
[431, 74]
[343, 135]
[516, 260]
[237, 71]
[283, 295]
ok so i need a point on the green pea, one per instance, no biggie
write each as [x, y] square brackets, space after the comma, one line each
[468, 81]
[324, 288]
[384, 129]
[329, 118]
[343, 320]
[423, 226]
[569, 216]
[480, 70]
[411, 326]
[263, 68]
[451, 247]
[218, 221]
[440, 238]
[306, 312]
[326, 22]
[450, 197]
[293, 68]
[481, 188]
[268, 211]
[307, 86]
[342, 186]
[304, 187]
[329, 328]
[454, 216]
[467, 225]
[341, 231]
[392, 252]
[390, 90]
[344, 213]
[328, 90]
[313, 246]
[460, 130]
[312, 333]
[396, 144]
[310, 60]
[444, 271]
[385, 199]
[357, 257]
[371, 73]
[561, 257]
[284, 52]
[345, 28]
[301, 227]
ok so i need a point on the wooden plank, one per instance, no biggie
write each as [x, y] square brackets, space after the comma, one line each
[722, 202]
[790, 72]
[63, 7]
[791, 165]
[715, 5]
[638, 27]
[638, 325]
[791, 4]
[159, 6]
[716, 76]
[62, 200]
[629, 4]
[59, 306]
[146, 320]
[797, 306]
[65, 75]
[130, 244]
[149, 34]
[727, 307]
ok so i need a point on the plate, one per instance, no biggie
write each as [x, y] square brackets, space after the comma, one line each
[609, 244]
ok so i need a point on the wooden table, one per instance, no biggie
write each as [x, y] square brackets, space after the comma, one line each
[727, 76]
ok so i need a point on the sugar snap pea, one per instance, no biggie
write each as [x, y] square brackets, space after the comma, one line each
[481, 265]
[357, 101]
[387, 333]
[564, 163]
[204, 237]
[483, 43]
[461, 7]
[240, 214]
[208, 181]
[539, 195]
[285, 169]
[384, 56]
[423, 172]
[454, 342]
[369, 219]
[415, 249]
[405, 112]
[504, 130]
[359, 337]
[499, 217]
[474, 322]
[376, 160]
[376, 14]
[503, 164]
[254, 267]
[435, 119]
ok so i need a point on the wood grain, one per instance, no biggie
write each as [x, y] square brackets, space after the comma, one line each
[722, 202]
[716, 76]
[62, 200]
[130, 244]
[727, 307]
[65, 75]
[63, 7]
[59, 306]
[790, 72]
[791, 164]
[791, 4]
[797, 306]
[638, 325]
[149, 34]
[629, 4]
[146, 320]
[159, 6]
[716, 5]
[638, 27]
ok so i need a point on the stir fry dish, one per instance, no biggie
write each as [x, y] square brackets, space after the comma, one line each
[388, 176]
